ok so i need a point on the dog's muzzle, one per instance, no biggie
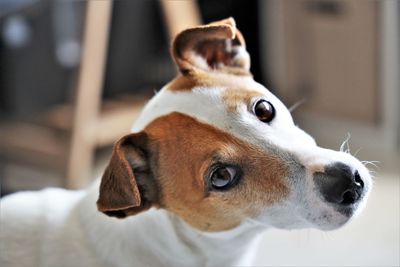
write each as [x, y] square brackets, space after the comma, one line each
[340, 185]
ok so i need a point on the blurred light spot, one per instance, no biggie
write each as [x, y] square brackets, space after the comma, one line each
[16, 32]
[68, 53]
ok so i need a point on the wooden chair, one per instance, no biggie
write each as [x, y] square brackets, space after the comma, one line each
[91, 128]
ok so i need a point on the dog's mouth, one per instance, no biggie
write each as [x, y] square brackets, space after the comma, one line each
[347, 211]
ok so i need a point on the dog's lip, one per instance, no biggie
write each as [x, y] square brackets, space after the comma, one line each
[348, 211]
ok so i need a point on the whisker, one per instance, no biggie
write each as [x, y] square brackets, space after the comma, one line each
[373, 177]
[297, 104]
[372, 163]
[358, 150]
[345, 147]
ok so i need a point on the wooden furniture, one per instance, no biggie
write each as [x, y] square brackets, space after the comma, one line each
[180, 15]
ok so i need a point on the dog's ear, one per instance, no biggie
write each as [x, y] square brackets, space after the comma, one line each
[128, 186]
[217, 46]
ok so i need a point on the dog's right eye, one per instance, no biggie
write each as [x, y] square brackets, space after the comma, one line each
[223, 177]
[264, 110]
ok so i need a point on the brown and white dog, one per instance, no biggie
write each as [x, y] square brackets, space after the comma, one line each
[212, 160]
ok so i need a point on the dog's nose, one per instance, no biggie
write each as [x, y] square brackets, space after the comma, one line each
[339, 184]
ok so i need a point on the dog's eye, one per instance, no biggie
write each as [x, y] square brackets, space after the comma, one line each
[264, 110]
[223, 177]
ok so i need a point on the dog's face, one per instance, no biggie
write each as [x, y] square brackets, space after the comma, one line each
[217, 148]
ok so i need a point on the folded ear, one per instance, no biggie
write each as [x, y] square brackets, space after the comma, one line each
[217, 46]
[128, 186]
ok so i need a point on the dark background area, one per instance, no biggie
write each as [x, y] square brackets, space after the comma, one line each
[32, 80]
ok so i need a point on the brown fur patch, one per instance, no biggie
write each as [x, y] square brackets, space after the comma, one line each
[234, 97]
[183, 83]
[314, 168]
[212, 80]
[185, 150]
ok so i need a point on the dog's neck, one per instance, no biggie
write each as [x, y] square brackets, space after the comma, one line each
[217, 248]
[158, 237]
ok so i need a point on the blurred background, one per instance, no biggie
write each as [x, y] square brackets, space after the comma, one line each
[75, 74]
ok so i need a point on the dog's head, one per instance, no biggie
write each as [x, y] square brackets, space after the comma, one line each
[217, 148]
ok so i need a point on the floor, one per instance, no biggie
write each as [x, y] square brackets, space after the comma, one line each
[372, 239]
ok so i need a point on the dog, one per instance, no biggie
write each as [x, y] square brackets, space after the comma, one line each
[212, 161]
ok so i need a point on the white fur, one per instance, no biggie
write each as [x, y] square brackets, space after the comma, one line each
[55, 227]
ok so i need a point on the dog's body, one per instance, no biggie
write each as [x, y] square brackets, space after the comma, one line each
[56, 227]
[212, 159]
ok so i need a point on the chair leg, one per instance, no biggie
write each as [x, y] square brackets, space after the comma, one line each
[180, 15]
[88, 93]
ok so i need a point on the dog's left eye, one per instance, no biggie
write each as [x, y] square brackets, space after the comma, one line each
[223, 177]
[264, 110]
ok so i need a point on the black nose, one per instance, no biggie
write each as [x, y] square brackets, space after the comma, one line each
[339, 184]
